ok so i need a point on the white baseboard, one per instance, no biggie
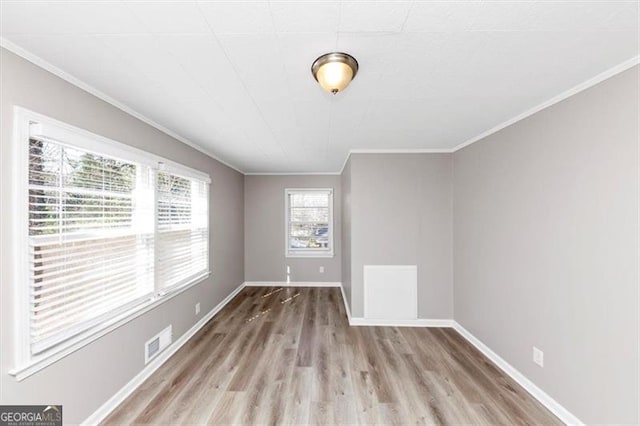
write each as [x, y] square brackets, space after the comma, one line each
[357, 321]
[346, 304]
[401, 323]
[101, 413]
[552, 405]
[291, 284]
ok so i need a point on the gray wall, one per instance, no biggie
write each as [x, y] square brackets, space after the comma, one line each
[345, 180]
[401, 214]
[264, 223]
[87, 378]
[546, 248]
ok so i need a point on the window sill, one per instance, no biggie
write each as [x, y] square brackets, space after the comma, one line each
[309, 255]
[81, 340]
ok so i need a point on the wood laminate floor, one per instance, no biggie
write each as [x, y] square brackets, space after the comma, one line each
[288, 355]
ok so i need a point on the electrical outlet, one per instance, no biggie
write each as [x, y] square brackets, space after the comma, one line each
[197, 308]
[538, 356]
[322, 269]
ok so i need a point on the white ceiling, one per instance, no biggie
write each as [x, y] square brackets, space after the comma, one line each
[233, 77]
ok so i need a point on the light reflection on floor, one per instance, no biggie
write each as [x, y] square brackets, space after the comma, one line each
[273, 292]
[289, 299]
[266, 311]
[258, 315]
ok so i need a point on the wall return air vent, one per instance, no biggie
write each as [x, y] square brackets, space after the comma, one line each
[157, 344]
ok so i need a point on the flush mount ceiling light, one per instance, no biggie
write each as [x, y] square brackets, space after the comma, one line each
[334, 71]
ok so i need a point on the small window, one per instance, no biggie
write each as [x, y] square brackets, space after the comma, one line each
[309, 222]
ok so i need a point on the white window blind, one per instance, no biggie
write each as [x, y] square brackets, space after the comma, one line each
[90, 238]
[108, 232]
[183, 232]
[309, 222]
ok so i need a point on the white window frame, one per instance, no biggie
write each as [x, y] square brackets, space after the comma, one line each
[26, 364]
[308, 252]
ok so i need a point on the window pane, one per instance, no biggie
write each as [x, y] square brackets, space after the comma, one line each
[309, 214]
[75, 282]
[44, 163]
[91, 246]
[309, 199]
[81, 211]
[308, 235]
[174, 201]
[71, 191]
[44, 214]
[91, 171]
[183, 237]
[308, 229]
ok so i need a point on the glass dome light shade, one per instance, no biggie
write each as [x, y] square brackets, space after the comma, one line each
[334, 71]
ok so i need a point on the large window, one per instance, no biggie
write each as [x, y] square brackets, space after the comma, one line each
[309, 222]
[109, 229]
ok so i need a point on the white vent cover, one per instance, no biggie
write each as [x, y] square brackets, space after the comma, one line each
[157, 343]
[391, 292]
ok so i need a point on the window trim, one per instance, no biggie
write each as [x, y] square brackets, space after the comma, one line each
[26, 364]
[307, 253]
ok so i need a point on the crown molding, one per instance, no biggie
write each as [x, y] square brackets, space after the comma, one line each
[344, 164]
[403, 151]
[394, 151]
[47, 66]
[558, 98]
[292, 174]
[359, 151]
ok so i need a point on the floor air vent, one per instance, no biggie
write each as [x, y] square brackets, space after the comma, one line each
[156, 344]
